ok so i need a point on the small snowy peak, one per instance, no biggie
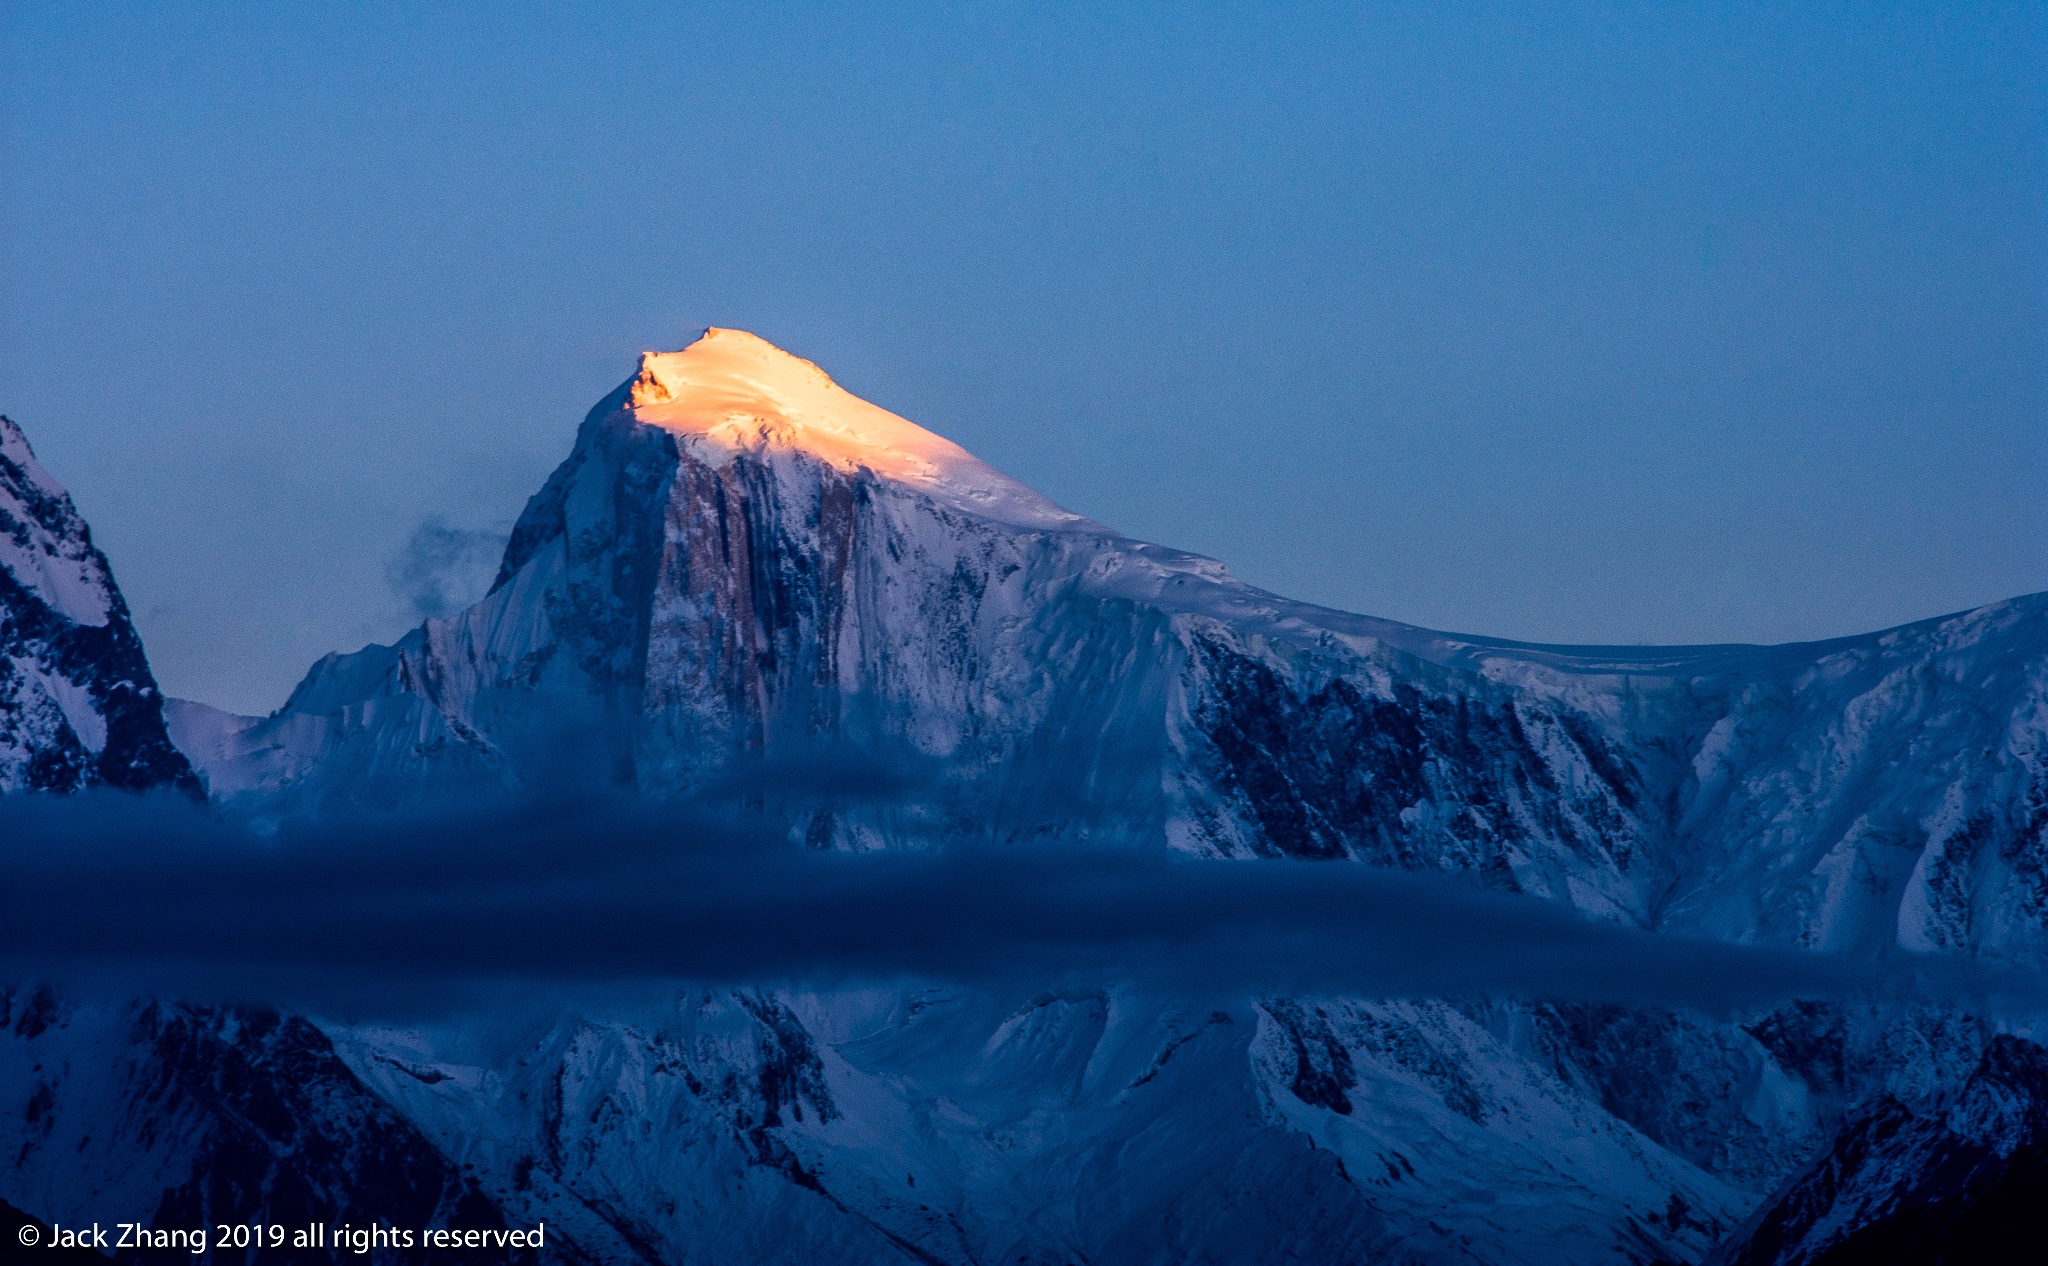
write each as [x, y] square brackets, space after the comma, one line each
[43, 541]
[732, 392]
[209, 738]
[202, 731]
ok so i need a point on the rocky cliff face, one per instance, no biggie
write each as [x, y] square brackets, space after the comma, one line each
[78, 707]
[742, 575]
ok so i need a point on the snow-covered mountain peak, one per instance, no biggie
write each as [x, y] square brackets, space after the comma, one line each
[732, 392]
[743, 578]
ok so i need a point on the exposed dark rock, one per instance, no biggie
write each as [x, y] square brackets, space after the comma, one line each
[1960, 1180]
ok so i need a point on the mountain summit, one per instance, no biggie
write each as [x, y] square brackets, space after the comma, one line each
[732, 392]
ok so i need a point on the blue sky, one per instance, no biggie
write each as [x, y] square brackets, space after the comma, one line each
[1584, 323]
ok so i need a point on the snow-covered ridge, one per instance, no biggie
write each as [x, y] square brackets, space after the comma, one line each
[732, 392]
[43, 542]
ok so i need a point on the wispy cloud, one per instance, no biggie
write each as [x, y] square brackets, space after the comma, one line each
[442, 568]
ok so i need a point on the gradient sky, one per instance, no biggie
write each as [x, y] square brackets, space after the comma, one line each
[1558, 322]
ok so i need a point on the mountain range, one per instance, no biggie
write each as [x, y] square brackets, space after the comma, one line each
[743, 570]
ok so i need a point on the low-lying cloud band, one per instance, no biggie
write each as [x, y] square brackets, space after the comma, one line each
[605, 891]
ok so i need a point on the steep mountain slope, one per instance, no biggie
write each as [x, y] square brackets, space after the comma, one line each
[78, 707]
[742, 574]
[1962, 1179]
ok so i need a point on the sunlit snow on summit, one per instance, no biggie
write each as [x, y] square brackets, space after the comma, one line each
[731, 391]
